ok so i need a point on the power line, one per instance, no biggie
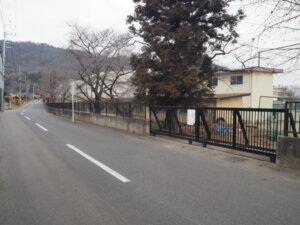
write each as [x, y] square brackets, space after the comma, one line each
[5, 33]
[2, 13]
[16, 17]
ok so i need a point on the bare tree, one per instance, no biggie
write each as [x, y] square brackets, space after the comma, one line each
[275, 39]
[293, 91]
[103, 60]
[55, 82]
[284, 14]
[64, 91]
[282, 20]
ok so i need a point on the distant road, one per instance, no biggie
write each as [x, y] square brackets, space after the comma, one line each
[54, 172]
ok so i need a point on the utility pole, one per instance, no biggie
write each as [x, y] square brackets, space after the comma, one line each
[33, 91]
[73, 90]
[2, 75]
[287, 47]
[4, 53]
[26, 91]
[20, 91]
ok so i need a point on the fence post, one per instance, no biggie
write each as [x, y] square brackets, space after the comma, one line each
[98, 110]
[150, 122]
[106, 108]
[234, 128]
[197, 124]
[286, 121]
[168, 119]
[129, 108]
[117, 107]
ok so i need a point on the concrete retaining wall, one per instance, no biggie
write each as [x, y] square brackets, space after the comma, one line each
[136, 126]
[288, 152]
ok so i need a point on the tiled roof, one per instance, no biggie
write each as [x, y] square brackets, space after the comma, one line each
[251, 69]
[226, 96]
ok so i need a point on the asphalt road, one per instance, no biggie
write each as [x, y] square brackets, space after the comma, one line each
[54, 172]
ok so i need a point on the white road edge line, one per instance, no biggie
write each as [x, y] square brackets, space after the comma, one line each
[27, 118]
[43, 128]
[28, 106]
[99, 164]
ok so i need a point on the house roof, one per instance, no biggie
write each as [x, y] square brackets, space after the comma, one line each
[227, 96]
[250, 70]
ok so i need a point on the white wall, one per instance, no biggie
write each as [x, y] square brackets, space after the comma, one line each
[256, 83]
[224, 86]
[247, 101]
[262, 85]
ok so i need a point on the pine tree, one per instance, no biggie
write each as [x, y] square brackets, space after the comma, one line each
[181, 38]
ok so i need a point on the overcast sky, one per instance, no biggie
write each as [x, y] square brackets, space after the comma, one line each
[45, 21]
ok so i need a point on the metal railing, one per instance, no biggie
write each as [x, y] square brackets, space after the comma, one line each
[292, 118]
[119, 109]
[246, 129]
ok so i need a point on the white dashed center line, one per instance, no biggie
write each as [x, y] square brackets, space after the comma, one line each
[99, 164]
[27, 118]
[43, 128]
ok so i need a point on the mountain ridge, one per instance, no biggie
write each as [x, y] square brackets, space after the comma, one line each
[32, 57]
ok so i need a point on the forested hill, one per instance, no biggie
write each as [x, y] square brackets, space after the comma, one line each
[32, 57]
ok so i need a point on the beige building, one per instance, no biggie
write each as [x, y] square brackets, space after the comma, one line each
[243, 88]
[122, 88]
[283, 92]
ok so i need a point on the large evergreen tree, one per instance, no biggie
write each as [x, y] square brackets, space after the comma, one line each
[181, 37]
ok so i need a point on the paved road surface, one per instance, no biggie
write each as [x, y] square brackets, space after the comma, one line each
[53, 172]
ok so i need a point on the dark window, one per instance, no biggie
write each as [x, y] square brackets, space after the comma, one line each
[237, 80]
[213, 82]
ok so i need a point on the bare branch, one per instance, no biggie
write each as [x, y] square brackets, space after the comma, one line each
[103, 58]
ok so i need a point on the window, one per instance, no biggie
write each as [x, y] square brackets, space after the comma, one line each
[213, 82]
[237, 80]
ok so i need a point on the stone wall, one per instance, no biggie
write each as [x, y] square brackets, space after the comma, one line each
[288, 152]
[132, 125]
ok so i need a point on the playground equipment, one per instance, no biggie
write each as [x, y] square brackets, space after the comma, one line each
[14, 100]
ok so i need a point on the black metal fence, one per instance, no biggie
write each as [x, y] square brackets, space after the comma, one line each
[247, 129]
[292, 125]
[239, 128]
[120, 109]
